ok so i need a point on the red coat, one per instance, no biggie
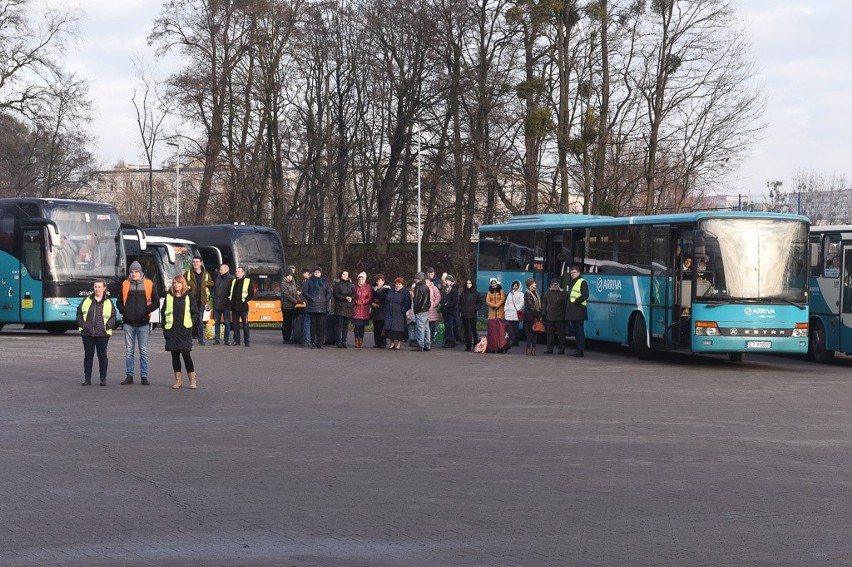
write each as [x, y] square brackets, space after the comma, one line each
[363, 295]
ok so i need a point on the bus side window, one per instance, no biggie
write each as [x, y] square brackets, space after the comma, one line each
[831, 252]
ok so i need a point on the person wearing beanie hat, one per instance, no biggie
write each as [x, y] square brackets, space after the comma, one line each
[137, 300]
[419, 277]
[317, 294]
[421, 303]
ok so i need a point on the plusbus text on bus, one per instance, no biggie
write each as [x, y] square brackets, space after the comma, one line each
[746, 290]
[830, 291]
[258, 249]
[51, 252]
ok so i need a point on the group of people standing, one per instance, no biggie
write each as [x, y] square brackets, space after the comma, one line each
[181, 317]
[400, 313]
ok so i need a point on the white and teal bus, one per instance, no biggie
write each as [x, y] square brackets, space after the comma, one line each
[51, 252]
[745, 290]
[830, 291]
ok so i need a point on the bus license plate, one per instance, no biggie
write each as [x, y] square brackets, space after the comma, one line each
[758, 344]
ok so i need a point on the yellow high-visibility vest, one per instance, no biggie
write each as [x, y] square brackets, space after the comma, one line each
[169, 314]
[87, 303]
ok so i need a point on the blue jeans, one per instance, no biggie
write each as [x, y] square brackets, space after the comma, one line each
[421, 329]
[134, 335]
[222, 316]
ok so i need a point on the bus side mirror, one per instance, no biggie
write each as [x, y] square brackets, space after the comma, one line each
[140, 235]
[170, 252]
[53, 234]
[813, 251]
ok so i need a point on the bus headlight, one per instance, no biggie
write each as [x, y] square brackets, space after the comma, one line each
[57, 301]
[706, 328]
[801, 330]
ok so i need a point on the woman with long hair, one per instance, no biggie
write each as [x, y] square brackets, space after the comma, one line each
[344, 306]
[179, 314]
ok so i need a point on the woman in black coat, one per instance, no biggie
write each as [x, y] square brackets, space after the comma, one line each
[397, 303]
[469, 303]
[344, 306]
[532, 313]
[377, 311]
[317, 295]
[179, 315]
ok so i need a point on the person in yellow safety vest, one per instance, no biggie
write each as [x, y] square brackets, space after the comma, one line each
[179, 315]
[199, 283]
[96, 320]
[242, 292]
[575, 311]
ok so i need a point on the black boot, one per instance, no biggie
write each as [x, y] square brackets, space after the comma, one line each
[128, 380]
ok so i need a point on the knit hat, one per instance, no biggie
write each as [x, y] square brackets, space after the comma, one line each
[450, 278]
[318, 269]
[530, 281]
[362, 275]
[135, 267]
[419, 276]
[430, 270]
[492, 280]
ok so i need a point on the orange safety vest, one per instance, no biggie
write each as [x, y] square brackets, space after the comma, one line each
[149, 289]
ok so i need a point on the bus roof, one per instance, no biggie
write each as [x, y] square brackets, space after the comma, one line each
[50, 201]
[543, 221]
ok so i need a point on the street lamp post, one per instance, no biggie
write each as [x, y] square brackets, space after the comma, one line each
[177, 182]
[419, 225]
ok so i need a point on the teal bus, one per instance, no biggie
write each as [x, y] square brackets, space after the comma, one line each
[830, 291]
[51, 252]
[703, 282]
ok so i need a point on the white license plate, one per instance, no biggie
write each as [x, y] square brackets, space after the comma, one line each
[758, 344]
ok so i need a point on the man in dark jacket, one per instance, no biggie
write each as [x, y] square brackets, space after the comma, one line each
[576, 312]
[317, 294]
[242, 291]
[222, 303]
[422, 303]
[199, 282]
[553, 309]
[449, 309]
[137, 300]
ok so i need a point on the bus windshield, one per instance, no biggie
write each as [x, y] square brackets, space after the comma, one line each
[753, 260]
[90, 243]
[258, 248]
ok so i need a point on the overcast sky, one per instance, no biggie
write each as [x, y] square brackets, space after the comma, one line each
[798, 47]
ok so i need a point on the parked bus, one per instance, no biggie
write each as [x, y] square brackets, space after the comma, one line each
[257, 248]
[830, 291]
[746, 290]
[51, 252]
[162, 261]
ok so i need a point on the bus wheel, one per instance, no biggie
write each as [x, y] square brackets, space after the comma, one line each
[56, 328]
[736, 356]
[2, 325]
[817, 344]
[640, 339]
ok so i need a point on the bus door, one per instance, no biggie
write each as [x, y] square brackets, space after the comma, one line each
[663, 288]
[846, 302]
[558, 257]
[30, 288]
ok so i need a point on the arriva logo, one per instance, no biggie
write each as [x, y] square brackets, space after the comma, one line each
[759, 311]
[609, 284]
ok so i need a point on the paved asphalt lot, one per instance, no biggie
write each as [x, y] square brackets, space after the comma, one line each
[295, 457]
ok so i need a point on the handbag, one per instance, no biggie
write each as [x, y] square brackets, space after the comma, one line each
[520, 313]
[538, 326]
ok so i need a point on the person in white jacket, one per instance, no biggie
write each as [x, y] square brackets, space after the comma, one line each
[514, 311]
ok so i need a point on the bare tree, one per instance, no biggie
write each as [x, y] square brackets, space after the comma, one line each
[152, 109]
[213, 37]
